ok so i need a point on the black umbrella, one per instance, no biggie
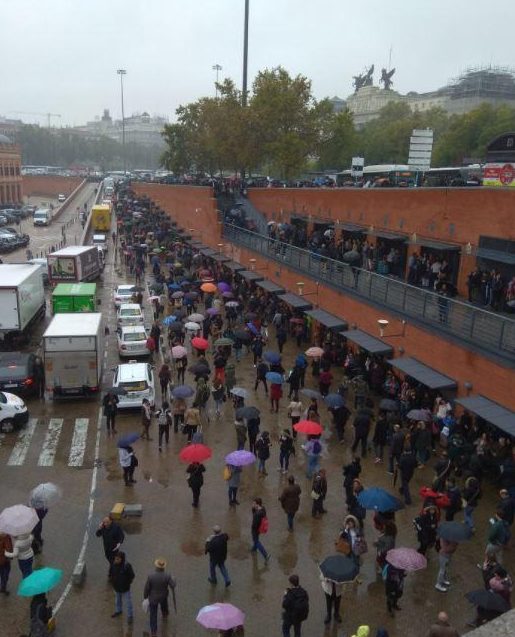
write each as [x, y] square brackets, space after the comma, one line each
[387, 404]
[339, 568]
[454, 531]
[117, 391]
[176, 327]
[199, 368]
[243, 336]
[247, 412]
[351, 256]
[488, 600]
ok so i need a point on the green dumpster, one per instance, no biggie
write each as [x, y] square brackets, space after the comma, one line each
[74, 297]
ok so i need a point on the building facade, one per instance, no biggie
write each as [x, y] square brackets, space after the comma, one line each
[10, 172]
[142, 129]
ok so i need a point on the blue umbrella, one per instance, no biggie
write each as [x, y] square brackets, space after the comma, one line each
[182, 391]
[378, 499]
[333, 401]
[253, 328]
[275, 378]
[272, 357]
[174, 286]
[40, 581]
[310, 393]
[168, 320]
[127, 440]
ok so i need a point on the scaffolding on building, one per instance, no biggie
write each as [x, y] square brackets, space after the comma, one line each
[493, 82]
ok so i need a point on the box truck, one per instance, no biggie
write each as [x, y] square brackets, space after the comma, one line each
[74, 297]
[73, 264]
[73, 350]
[101, 218]
[22, 300]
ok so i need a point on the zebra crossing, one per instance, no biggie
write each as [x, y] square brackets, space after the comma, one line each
[46, 443]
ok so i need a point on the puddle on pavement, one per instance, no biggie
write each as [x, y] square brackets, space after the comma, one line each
[191, 547]
[239, 550]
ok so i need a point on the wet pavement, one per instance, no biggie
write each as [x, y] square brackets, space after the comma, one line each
[172, 529]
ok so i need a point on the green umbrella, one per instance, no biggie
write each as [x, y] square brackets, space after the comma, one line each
[223, 342]
[40, 581]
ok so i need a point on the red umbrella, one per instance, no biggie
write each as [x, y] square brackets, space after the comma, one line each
[195, 453]
[308, 427]
[199, 343]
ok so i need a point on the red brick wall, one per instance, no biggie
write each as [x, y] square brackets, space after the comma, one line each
[49, 185]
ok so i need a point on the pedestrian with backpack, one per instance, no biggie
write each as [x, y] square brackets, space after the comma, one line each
[164, 420]
[295, 607]
[259, 527]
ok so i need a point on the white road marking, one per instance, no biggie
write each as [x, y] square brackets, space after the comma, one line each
[47, 455]
[22, 445]
[79, 440]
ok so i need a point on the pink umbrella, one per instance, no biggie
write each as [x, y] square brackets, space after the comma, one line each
[406, 559]
[220, 616]
[315, 352]
[178, 351]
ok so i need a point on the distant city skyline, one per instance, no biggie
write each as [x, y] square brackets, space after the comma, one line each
[171, 50]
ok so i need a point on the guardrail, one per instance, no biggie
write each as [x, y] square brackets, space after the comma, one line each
[474, 326]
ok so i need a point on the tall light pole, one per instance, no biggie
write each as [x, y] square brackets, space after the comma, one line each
[217, 68]
[121, 73]
[245, 53]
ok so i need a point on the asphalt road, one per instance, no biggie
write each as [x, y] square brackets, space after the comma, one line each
[66, 444]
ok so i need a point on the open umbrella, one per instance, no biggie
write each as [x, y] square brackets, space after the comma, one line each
[275, 378]
[351, 256]
[179, 312]
[220, 616]
[195, 453]
[209, 288]
[310, 393]
[228, 295]
[248, 413]
[377, 499]
[314, 352]
[406, 559]
[176, 327]
[191, 296]
[40, 581]
[127, 440]
[309, 427]
[454, 531]
[224, 287]
[153, 298]
[45, 494]
[18, 519]
[250, 316]
[192, 326]
[174, 287]
[240, 392]
[177, 295]
[212, 311]
[117, 391]
[488, 600]
[387, 404]
[240, 458]
[200, 343]
[182, 391]
[178, 351]
[223, 342]
[232, 304]
[339, 568]
[419, 414]
[243, 336]
[201, 367]
[333, 401]
[252, 328]
[168, 320]
[196, 317]
[272, 357]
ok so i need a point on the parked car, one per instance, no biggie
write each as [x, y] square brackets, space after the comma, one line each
[132, 341]
[61, 197]
[123, 294]
[130, 314]
[13, 412]
[17, 372]
[137, 379]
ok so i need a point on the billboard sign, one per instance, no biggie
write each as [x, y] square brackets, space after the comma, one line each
[356, 171]
[499, 175]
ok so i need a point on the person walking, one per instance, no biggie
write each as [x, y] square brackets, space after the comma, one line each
[263, 445]
[241, 431]
[276, 392]
[286, 448]
[442, 627]
[253, 425]
[380, 437]
[22, 550]
[361, 423]
[112, 537]
[156, 590]
[164, 421]
[333, 598]
[261, 371]
[165, 377]
[351, 472]
[295, 607]
[195, 480]
[40, 615]
[216, 548]
[259, 526]
[313, 449]
[218, 393]
[191, 422]
[407, 465]
[396, 447]
[471, 494]
[318, 493]
[290, 500]
[110, 406]
[155, 333]
[6, 545]
[233, 477]
[498, 536]
[179, 407]
[180, 366]
[146, 418]
[340, 416]
[294, 383]
[445, 554]
[426, 524]
[394, 585]
[121, 576]
[125, 455]
[39, 377]
[295, 409]
[37, 531]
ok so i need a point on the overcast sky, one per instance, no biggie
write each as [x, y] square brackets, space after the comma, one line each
[61, 56]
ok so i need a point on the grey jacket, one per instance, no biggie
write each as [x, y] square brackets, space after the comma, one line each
[156, 587]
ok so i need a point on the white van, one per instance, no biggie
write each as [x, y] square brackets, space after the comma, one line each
[137, 379]
[42, 217]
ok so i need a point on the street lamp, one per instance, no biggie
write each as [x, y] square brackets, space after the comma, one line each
[121, 73]
[217, 68]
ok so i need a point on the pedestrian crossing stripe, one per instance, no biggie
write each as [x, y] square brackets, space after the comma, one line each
[50, 444]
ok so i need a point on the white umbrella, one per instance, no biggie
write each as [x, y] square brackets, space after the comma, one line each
[45, 494]
[196, 318]
[239, 391]
[18, 520]
[193, 327]
[232, 304]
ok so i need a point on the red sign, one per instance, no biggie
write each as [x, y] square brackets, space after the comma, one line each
[506, 174]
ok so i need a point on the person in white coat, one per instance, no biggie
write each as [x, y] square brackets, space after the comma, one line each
[333, 597]
[22, 550]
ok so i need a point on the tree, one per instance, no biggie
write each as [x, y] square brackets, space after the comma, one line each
[338, 141]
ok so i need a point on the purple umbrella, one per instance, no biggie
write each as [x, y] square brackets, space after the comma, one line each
[224, 287]
[253, 328]
[213, 311]
[220, 616]
[127, 440]
[240, 458]
[228, 295]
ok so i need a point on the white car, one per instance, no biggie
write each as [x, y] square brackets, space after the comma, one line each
[137, 379]
[132, 341]
[13, 412]
[129, 314]
[123, 294]
[61, 197]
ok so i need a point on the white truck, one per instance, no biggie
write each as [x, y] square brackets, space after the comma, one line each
[42, 217]
[22, 300]
[73, 350]
[74, 264]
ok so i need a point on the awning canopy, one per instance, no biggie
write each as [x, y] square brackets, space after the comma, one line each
[250, 275]
[424, 374]
[220, 258]
[436, 245]
[296, 302]
[368, 342]
[392, 236]
[350, 227]
[208, 252]
[196, 243]
[491, 412]
[270, 286]
[496, 255]
[234, 266]
[327, 320]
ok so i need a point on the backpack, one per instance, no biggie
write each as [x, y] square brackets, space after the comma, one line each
[317, 447]
[162, 419]
[263, 525]
[300, 606]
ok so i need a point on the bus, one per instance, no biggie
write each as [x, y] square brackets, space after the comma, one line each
[453, 177]
[380, 176]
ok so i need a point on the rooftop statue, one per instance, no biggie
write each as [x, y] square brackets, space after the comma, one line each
[386, 78]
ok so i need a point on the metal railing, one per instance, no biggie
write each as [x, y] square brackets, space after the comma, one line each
[491, 332]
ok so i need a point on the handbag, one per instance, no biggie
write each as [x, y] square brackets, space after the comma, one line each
[314, 495]
[360, 545]
[342, 546]
[144, 605]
